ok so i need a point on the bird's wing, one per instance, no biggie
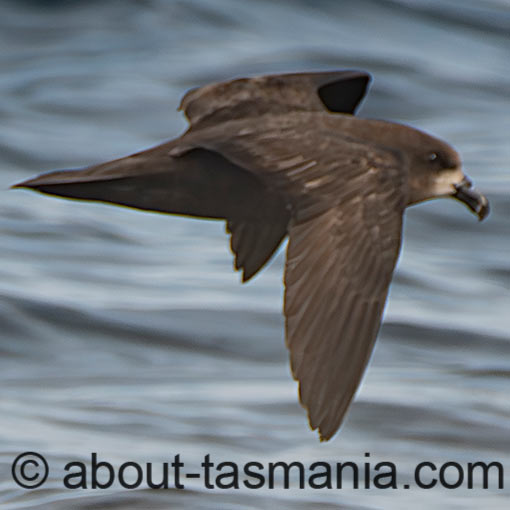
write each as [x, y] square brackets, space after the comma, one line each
[347, 199]
[344, 199]
[339, 266]
[338, 91]
[201, 183]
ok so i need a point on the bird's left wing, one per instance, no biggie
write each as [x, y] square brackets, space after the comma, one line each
[346, 200]
[338, 270]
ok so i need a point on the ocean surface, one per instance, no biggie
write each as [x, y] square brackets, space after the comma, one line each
[128, 334]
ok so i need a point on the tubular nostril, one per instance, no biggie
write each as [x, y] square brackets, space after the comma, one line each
[465, 183]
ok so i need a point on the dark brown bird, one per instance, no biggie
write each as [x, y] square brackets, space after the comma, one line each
[283, 155]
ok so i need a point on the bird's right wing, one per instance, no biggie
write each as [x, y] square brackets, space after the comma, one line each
[336, 91]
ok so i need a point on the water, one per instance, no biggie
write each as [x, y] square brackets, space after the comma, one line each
[128, 334]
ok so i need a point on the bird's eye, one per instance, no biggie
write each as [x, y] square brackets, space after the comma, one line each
[432, 156]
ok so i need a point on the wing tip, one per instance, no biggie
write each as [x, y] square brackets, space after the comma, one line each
[325, 433]
[55, 177]
[247, 275]
[27, 184]
[324, 437]
[325, 428]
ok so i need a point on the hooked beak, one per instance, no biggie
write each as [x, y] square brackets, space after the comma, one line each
[477, 202]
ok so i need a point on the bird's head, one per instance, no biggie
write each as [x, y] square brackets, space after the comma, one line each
[435, 171]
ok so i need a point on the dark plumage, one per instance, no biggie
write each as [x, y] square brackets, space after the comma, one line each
[284, 155]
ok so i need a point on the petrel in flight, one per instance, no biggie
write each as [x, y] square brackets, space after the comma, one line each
[284, 155]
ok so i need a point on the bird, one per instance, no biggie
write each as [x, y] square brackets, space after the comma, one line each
[285, 156]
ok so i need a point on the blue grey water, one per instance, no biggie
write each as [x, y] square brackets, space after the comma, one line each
[128, 334]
